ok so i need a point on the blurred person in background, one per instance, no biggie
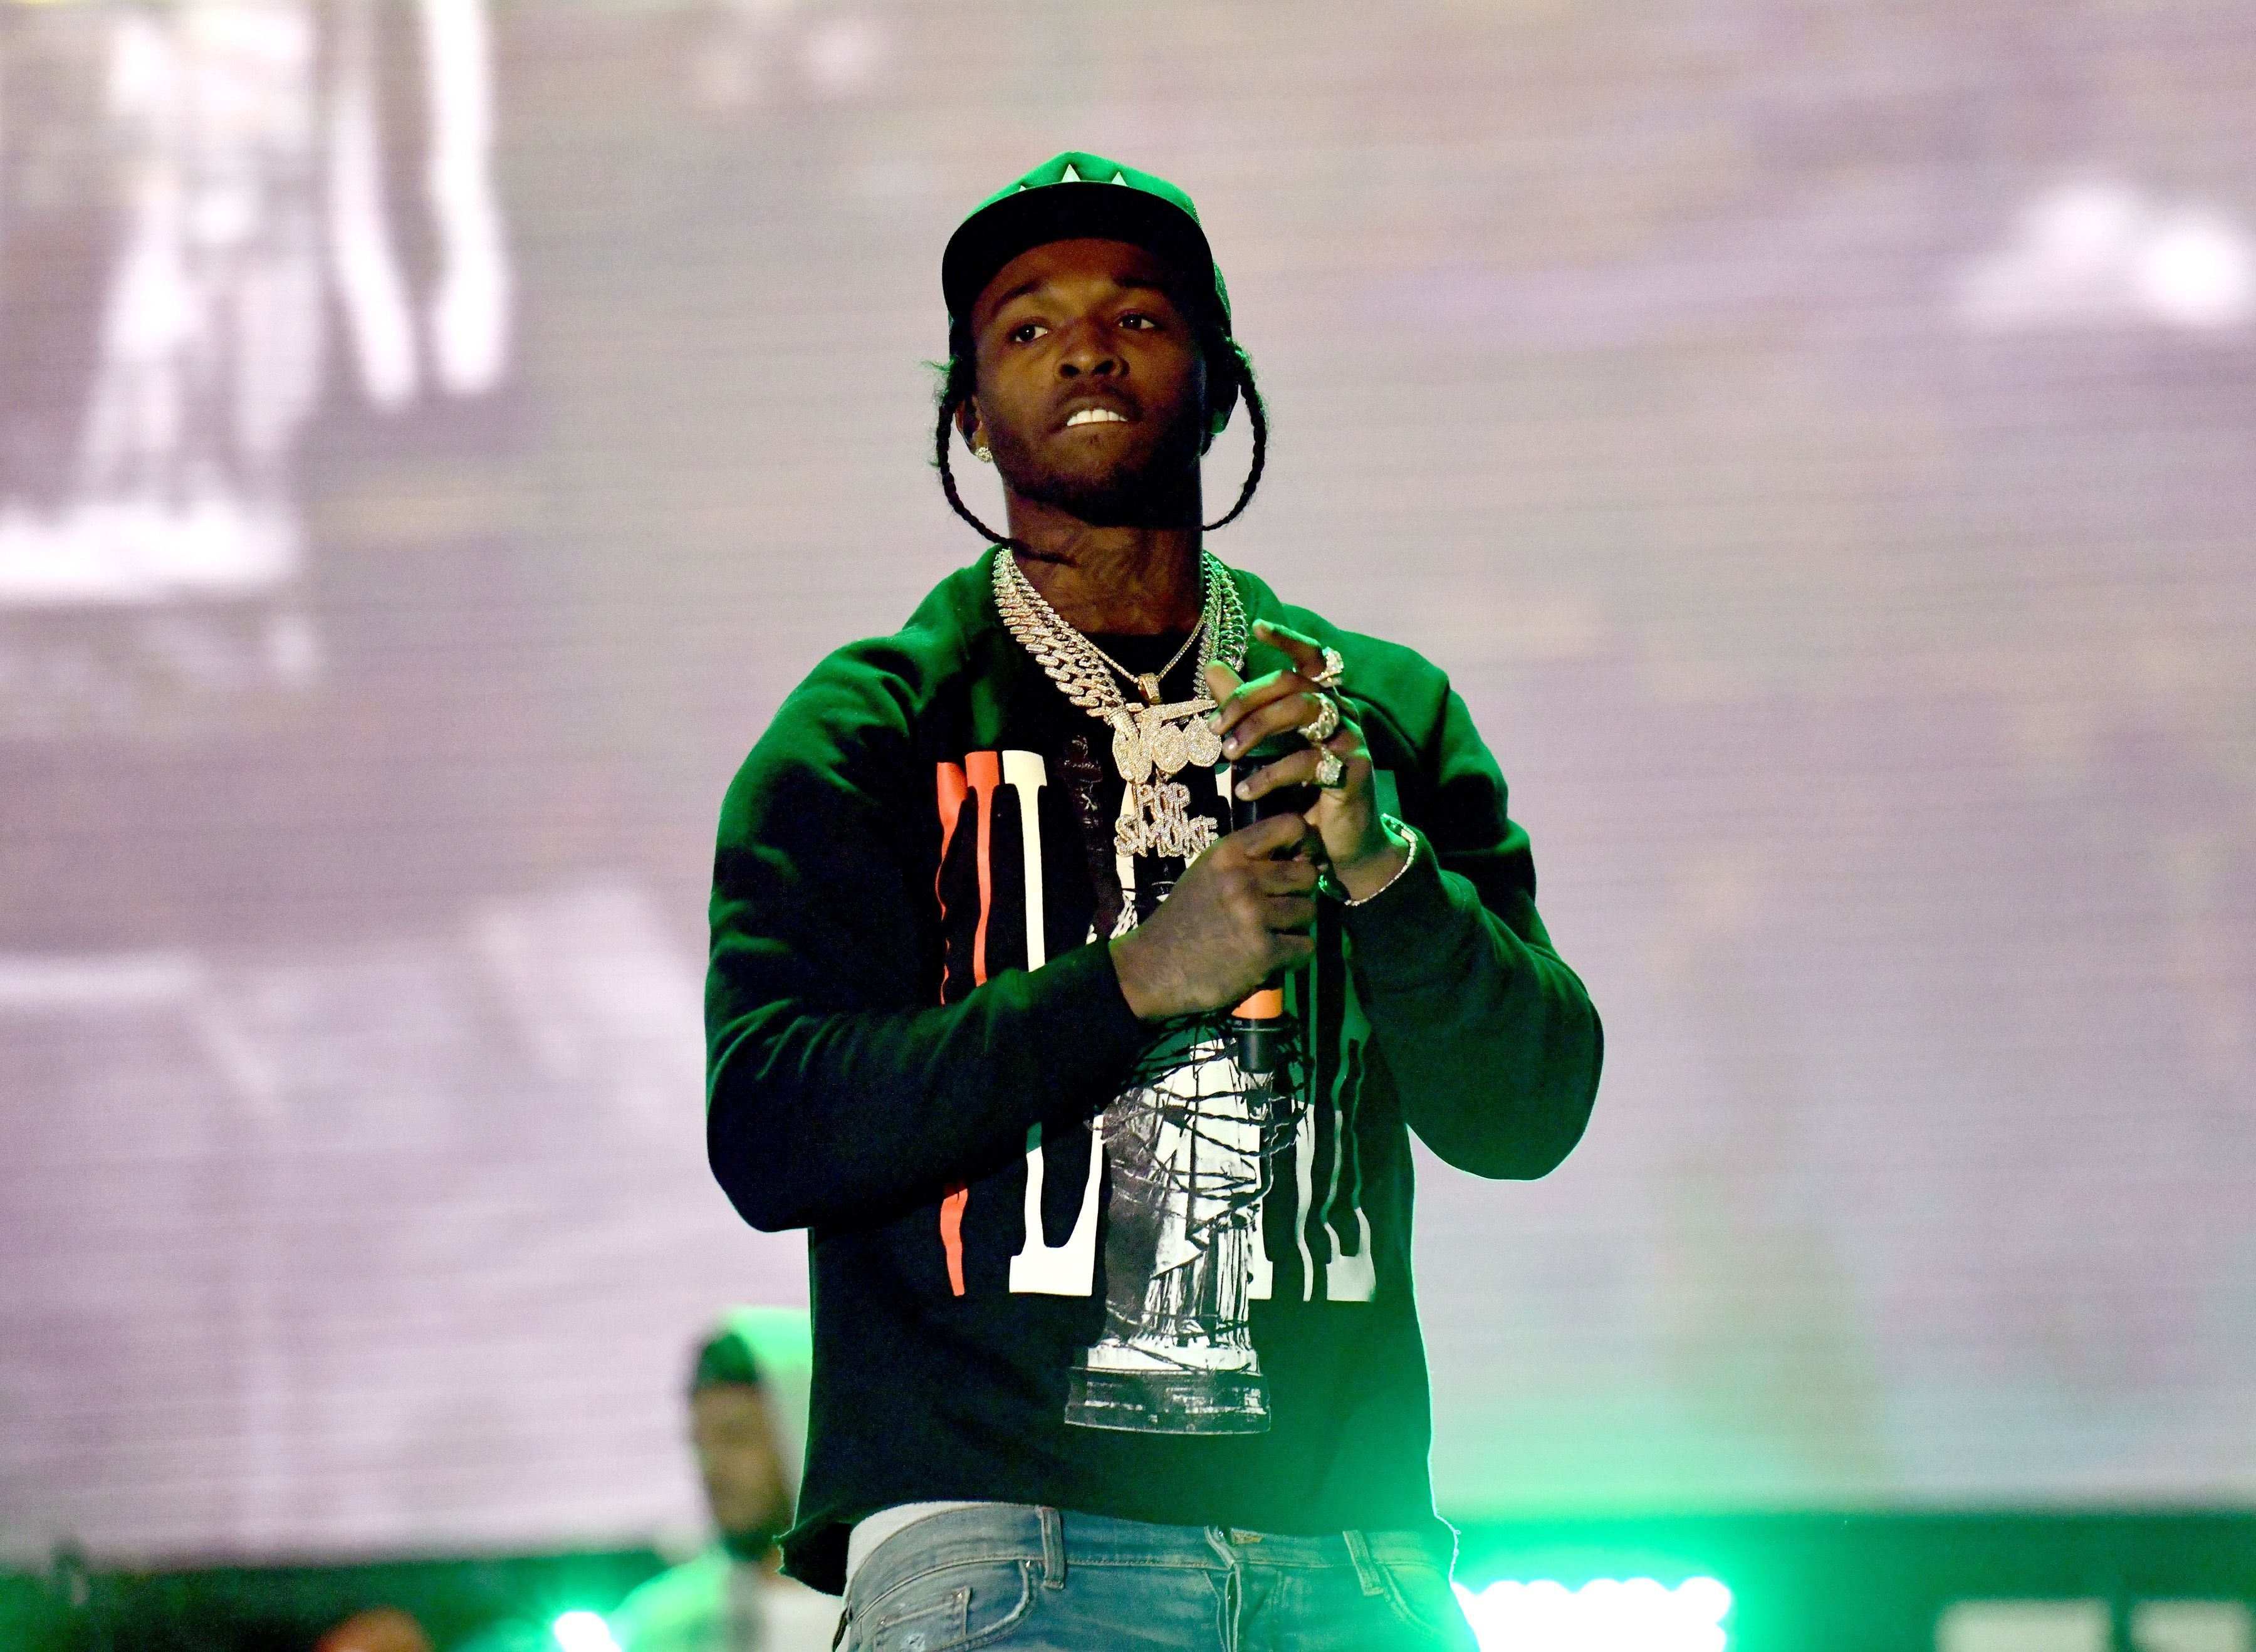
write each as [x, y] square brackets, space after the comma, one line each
[999, 965]
[733, 1597]
[382, 1629]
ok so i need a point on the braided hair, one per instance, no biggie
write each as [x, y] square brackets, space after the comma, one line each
[959, 383]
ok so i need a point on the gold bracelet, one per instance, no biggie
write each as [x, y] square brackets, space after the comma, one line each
[1408, 861]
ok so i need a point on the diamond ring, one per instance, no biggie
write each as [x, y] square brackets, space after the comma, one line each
[1325, 723]
[1334, 666]
[1330, 769]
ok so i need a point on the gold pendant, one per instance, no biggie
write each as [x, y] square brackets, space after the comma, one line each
[1129, 755]
[1165, 744]
[1150, 685]
[1202, 744]
[1148, 746]
[1156, 820]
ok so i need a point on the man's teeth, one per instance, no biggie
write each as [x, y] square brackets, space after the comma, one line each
[1096, 416]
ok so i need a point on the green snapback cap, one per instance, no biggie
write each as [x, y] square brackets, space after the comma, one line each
[1076, 196]
[724, 1357]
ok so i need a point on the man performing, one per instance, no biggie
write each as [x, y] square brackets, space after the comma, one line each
[1098, 1109]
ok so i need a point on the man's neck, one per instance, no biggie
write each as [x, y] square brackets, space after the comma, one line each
[1126, 581]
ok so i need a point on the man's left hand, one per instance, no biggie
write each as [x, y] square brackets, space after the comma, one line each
[1363, 854]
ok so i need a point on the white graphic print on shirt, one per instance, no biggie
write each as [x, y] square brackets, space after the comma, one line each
[1194, 1146]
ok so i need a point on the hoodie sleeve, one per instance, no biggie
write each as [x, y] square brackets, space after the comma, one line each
[1492, 1039]
[838, 1089]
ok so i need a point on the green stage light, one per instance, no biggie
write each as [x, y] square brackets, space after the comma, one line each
[1606, 1615]
[583, 1632]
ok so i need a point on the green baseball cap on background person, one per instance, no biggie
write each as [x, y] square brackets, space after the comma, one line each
[1076, 196]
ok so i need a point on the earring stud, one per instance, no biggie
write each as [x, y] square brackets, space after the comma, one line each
[983, 455]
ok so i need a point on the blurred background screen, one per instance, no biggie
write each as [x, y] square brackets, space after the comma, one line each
[433, 436]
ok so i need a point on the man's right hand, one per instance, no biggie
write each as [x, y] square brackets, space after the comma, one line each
[1238, 916]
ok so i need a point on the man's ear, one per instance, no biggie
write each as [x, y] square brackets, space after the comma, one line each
[968, 422]
[1220, 390]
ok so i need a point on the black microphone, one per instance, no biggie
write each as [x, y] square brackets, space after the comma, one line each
[1258, 1026]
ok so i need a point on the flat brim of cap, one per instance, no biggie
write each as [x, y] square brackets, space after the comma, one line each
[995, 235]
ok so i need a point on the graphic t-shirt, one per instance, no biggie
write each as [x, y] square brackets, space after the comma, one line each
[1188, 1145]
[1059, 1257]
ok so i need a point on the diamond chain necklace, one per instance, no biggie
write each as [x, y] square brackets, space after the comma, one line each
[1147, 682]
[1152, 742]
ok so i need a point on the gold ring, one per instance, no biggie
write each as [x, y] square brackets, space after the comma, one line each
[1330, 769]
[1334, 667]
[1325, 723]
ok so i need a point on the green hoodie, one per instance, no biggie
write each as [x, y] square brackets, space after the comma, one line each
[1059, 1257]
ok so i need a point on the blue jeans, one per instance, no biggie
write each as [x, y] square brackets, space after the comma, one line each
[1040, 1580]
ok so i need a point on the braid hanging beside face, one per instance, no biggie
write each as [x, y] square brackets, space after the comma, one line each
[961, 383]
[954, 393]
[1242, 366]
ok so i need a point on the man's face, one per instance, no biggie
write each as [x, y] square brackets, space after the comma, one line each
[744, 1487]
[1091, 386]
